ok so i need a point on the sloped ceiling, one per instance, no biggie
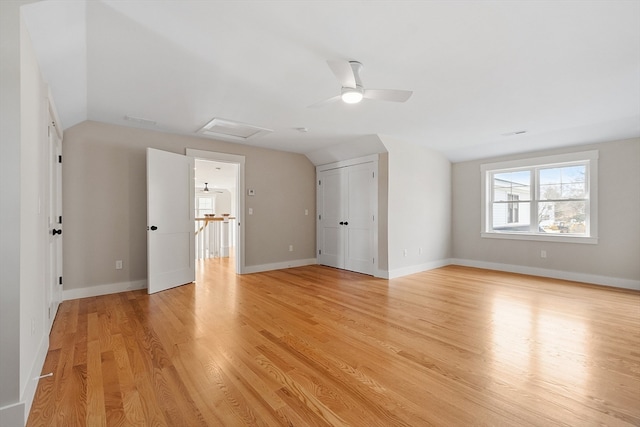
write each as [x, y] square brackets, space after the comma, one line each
[565, 72]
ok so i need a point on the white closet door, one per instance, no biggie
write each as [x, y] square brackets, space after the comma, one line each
[346, 207]
[359, 219]
[331, 211]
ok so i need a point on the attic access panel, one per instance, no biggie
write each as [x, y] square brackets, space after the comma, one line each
[229, 129]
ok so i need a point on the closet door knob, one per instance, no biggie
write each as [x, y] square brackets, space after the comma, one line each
[346, 223]
[54, 231]
[341, 222]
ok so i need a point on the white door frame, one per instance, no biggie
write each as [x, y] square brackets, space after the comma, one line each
[240, 161]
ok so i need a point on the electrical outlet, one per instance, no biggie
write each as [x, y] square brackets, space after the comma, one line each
[250, 211]
[419, 251]
[543, 253]
[306, 211]
[119, 264]
[290, 248]
[404, 252]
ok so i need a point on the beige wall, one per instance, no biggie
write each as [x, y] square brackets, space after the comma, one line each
[104, 201]
[617, 253]
[419, 208]
[383, 215]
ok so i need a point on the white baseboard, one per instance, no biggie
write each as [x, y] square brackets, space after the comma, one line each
[391, 274]
[413, 269]
[615, 282]
[18, 413]
[381, 274]
[34, 377]
[111, 288]
[278, 265]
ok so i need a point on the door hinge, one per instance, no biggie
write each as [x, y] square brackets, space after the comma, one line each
[319, 251]
[320, 217]
[60, 158]
[60, 280]
[319, 182]
[49, 312]
[374, 261]
[373, 174]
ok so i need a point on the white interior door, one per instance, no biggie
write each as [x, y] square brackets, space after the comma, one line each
[170, 220]
[54, 290]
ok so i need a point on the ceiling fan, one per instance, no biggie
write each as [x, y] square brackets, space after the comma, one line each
[348, 74]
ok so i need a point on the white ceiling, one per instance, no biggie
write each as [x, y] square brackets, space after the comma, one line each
[567, 72]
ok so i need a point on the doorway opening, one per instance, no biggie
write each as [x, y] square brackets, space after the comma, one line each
[218, 181]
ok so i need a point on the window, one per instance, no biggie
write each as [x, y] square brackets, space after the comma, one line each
[204, 205]
[545, 198]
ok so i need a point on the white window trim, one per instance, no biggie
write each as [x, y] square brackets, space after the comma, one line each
[591, 156]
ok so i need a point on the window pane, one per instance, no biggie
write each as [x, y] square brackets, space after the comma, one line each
[511, 217]
[509, 184]
[204, 205]
[562, 217]
[567, 182]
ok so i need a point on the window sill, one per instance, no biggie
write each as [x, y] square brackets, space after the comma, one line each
[542, 237]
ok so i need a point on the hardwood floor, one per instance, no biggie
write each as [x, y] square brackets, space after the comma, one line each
[315, 346]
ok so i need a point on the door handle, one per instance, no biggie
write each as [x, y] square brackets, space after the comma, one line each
[154, 228]
[346, 223]
[341, 222]
[54, 231]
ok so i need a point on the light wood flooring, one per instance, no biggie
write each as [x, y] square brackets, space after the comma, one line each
[316, 346]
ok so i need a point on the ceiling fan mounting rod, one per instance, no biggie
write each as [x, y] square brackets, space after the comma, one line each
[356, 67]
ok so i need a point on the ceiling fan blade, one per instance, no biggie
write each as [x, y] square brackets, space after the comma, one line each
[324, 102]
[388, 94]
[343, 72]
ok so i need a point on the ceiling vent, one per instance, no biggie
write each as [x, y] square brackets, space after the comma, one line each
[518, 132]
[228, 129]
[140, 120]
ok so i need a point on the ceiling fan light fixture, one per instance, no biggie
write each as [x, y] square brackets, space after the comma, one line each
[351, 95]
